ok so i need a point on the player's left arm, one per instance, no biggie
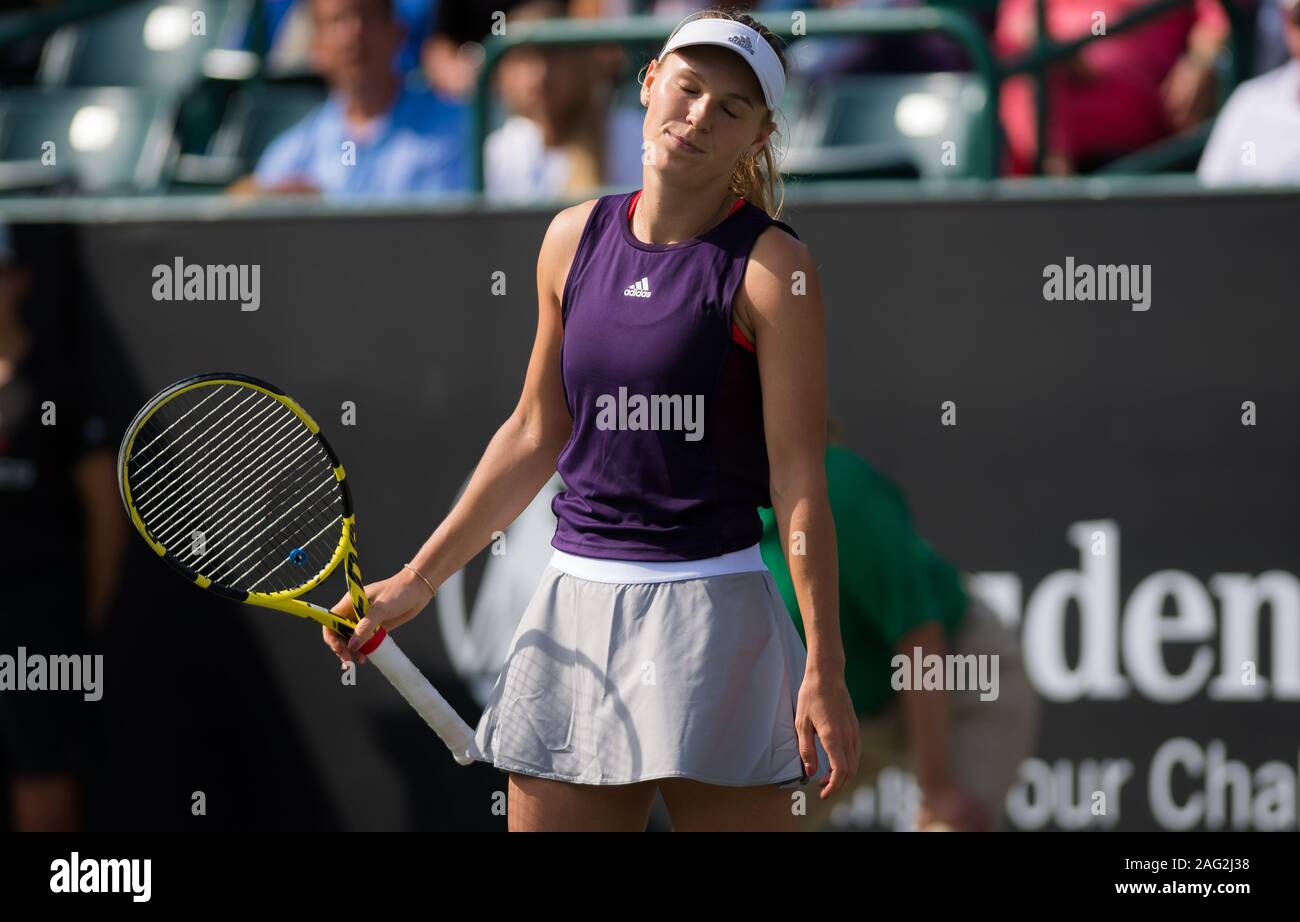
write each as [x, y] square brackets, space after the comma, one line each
[782, 296]
[782, 292]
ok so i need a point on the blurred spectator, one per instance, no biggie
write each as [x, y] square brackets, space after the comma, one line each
[287, 37]
[287, 26]
[57, 481]
[897, 595]
[1117, 94]
[453, 53]
[374, 136]
[563, 138]
[1270, 37]
[1256, 138]
[416, 17]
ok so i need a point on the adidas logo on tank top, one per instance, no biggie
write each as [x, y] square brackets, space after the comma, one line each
[640, 289]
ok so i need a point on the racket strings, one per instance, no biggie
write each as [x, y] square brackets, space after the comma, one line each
[228, 489]
[296, 543]
[314, 554]
[244, 514]
[193, 460]
[328, 526]
[183, 444]
[212, 472]
[253, 547]
[140, 450]
[290, 514]
[284, 516]
[236, 486]
[315, 514]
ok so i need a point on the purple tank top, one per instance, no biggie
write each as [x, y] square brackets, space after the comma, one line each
[667, 460]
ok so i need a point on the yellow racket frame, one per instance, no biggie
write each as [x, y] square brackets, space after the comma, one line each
[284, 600]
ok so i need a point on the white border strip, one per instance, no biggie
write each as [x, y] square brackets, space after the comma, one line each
[600, 570]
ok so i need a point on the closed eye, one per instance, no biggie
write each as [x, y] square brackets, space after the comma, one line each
[691, 92]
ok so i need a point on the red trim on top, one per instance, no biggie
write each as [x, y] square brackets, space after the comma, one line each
[631, 205]
[740, 337]
[736, 335]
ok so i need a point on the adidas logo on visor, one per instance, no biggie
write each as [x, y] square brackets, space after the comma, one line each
[639, 289]
[743, 41]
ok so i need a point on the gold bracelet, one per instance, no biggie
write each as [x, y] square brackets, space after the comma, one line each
[422, 577]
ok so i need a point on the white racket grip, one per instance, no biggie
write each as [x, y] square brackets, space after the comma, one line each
[422, 696]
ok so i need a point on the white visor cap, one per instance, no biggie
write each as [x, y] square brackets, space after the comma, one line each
[741, 39]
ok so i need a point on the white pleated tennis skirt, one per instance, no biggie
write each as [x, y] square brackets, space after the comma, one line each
[657, 677]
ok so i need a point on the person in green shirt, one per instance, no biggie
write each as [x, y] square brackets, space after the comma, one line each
[964, 744]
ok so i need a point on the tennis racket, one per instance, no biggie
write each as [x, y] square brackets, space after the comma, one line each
[231, 483]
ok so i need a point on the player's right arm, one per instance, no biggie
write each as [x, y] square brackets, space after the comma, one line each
[517, 462]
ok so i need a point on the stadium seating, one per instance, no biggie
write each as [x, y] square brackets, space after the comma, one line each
[148, 44]
[108, 139]
[886, 125]
[258, 114]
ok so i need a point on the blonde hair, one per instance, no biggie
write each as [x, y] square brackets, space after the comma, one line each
[754, 178]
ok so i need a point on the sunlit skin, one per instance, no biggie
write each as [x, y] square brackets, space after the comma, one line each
[704, 111]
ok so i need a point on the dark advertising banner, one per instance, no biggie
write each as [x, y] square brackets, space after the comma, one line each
[1092, 407]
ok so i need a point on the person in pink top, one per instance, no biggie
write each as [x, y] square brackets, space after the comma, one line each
[1117, 94]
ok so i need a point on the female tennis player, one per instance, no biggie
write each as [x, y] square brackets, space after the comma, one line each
[677, 383]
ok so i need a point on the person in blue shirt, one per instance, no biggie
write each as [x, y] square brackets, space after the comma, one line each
[278, 25]
[375, 136]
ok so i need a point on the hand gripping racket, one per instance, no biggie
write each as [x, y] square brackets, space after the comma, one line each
[233, 485]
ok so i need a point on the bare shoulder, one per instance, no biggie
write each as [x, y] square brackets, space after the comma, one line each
[567, 225]
[561, 244]
[780, 265]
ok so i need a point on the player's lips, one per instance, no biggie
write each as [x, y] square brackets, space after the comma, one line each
[684, 145]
